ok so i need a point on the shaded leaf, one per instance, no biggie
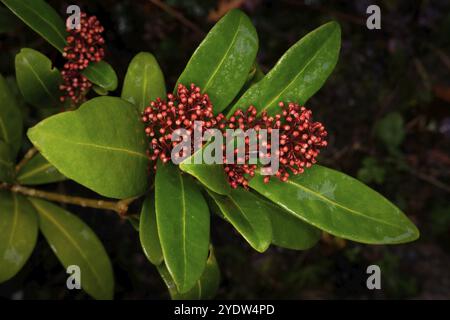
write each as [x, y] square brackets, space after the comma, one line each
[38, 171]
[222, 61]
[6, 163]
[148, 231]
[340, 205]
[390, 130]
[18, 233]
[205, 288]
[8, 21]
[42, 18]
[11, 123]
[144, 81]
[182, 217]
[74, 243]
[101, 74]
[38, 81]
[299, 73]
[248, 214]
[104, 146]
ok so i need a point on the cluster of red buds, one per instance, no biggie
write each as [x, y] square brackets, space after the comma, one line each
[300, 138]
[179, 111]
[85, 44]
[300, 141]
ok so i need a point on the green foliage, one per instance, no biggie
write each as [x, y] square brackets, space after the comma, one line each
[182, 217]
[340, 205]
[38, 81]
[18, 233]
[222, 61]
[74, 243]
[11, 123]
[299, 73]
[144, 81]
[38, 171]
[104, 145]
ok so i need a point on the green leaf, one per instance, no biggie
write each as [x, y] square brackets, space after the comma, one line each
[42, 18]
[38, 171]
[182, 217]
[18, 233]
[11, 123]
[104, 146]
[148, 232]
[222, 61]
[249, 215]
[205, 288]
[211, 175]
[6, 163]
[144, 81]
[390, 130]
[74, 243]
[340, 205]
[371, 171]
[299, 73]
[38, 81]
[101, 74]
[288, 231]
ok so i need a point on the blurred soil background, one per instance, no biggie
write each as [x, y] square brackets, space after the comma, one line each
[387, 110]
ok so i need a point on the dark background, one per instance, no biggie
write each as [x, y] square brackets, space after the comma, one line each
[386, 107]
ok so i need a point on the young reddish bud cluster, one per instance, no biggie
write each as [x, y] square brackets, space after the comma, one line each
[179, 111]
[300, 139]
[84, 45]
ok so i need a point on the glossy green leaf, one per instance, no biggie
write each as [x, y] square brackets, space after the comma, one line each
[38, 171]
[134, 221]
[38, 81]
[288, 231]
[74, 243]
[211, 175]
[182, 217]
[299, 73]
[18, 233]
[205, 288]
[6, 163]
[222, 61]
[42, 18]
[101, 74]
[104, 146]
[340, 205]
[11, 123]
[249, 215]
[144, 81]
[148, 232]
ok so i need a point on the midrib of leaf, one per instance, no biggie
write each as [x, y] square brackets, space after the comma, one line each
[298, 74]
[183, 203]
[35, 171]
[318, 195]
[73, 241]
[39, 79]
[205, 88]
[92, 145]
[143, 101]
[30, 10]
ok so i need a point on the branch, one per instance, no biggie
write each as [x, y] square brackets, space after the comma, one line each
[121, 207]
[27, 157]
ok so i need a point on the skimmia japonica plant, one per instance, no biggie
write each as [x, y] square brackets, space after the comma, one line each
[123, 148]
